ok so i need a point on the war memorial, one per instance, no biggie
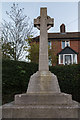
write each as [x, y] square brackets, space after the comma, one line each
[43, 98]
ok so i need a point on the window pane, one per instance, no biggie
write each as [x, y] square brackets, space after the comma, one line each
[68, 59]
[67, 43]
[61, 58]
[63, 44]
[74, 59]
[49, 43]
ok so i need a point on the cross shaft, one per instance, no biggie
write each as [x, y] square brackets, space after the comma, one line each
[43, 23]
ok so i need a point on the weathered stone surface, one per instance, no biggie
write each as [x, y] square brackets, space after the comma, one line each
[43, 22]
[43, 99]
[0, 112]
[58, 105]
[41, 111]
[43, 82]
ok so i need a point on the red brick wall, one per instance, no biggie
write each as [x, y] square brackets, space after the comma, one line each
[56, 45]
[75, 45]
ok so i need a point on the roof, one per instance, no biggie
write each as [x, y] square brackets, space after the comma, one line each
[67, 50]
[60, 36]
[64, 35]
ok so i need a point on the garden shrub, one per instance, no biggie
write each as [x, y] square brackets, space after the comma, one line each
[16, 75]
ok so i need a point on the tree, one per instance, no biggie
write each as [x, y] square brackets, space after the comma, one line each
[15, 32]
[53, 53]
[53, 57]
[33, 53]
[33, 50]
[7, 50]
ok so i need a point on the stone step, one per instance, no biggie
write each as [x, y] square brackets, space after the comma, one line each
[40, 111]
[43, 99]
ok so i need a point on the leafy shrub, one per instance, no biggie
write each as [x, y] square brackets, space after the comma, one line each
[69, 79]
[16, 75]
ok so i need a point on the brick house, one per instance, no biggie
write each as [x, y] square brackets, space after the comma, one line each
[66, 46]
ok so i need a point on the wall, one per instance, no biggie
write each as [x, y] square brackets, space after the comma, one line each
[74, 44]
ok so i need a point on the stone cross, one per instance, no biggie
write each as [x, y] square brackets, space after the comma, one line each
[43, 23]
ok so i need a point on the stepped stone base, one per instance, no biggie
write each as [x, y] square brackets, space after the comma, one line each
[42, 106]
[42, 100]
[40, 111]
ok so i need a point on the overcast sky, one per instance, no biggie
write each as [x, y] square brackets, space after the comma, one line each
[62, 12]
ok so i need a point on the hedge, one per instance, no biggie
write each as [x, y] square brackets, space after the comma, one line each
[16, 75]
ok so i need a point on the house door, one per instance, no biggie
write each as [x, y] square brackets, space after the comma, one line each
[68, 60]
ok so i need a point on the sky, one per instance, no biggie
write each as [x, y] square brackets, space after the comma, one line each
[62, 12]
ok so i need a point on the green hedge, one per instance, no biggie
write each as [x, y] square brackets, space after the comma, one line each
[16, 74]
[15, 78]
[69, 79]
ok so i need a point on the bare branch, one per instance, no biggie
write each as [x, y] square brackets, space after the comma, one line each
[16, 31]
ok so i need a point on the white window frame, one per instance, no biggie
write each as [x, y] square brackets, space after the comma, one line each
[64, 58]
[65, 43]
[60, 59]
[76, 59]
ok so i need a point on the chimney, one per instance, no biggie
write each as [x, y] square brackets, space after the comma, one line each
[62, 28]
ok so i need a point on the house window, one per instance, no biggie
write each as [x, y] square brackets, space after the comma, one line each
[61, 58]
[49, 44]
[74, 58]
[68, 59]
[65, 44]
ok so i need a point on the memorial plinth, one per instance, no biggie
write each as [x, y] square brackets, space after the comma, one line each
[43, 98]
